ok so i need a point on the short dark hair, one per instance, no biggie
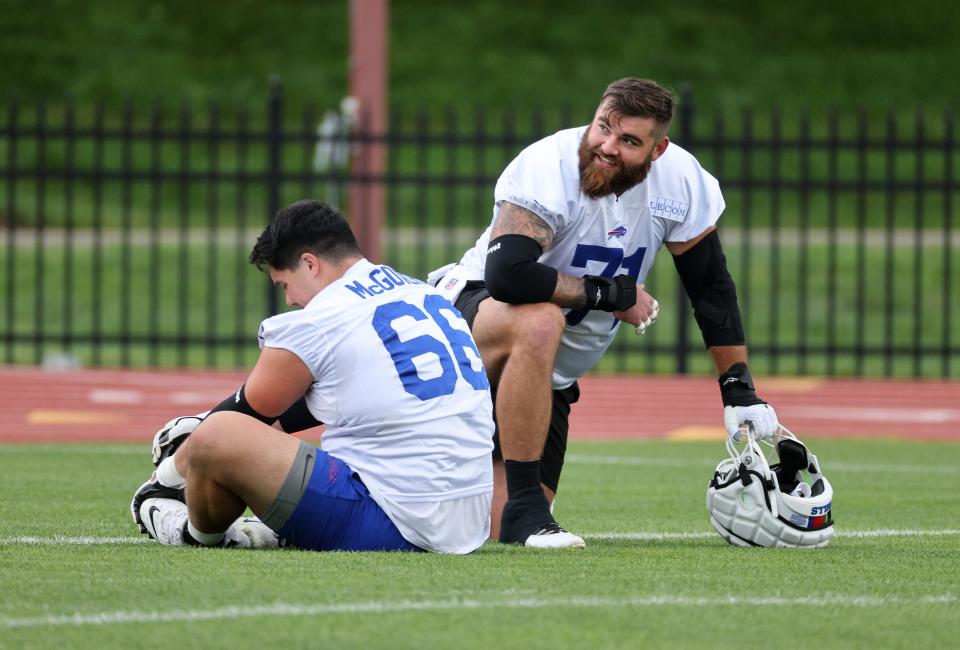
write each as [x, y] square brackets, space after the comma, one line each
[633, 97]
[304, 226]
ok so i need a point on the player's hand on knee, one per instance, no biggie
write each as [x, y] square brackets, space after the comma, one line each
[173, 434]
[761, 418]
[643, 314]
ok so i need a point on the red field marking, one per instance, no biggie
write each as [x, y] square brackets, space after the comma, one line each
[102, 405]
[127, 405]
[630, 406]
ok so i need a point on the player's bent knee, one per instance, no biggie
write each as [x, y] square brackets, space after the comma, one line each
[201, 446]
[539, 325]
[208, 441]
[501, 329]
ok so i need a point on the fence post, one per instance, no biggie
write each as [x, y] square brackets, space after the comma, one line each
[10, 298]
[683, 318]
[369, 79]
[40, 231]
[274, 144]
[948, 292]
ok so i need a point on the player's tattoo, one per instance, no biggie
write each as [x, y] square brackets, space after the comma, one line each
[571, 291]
[514, 220]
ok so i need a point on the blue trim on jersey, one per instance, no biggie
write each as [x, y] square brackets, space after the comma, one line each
[336, 513]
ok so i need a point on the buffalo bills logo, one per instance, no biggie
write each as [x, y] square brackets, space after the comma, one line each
[617, 233]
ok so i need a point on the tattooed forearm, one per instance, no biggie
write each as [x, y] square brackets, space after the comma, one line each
[570, 292]
[514, 220]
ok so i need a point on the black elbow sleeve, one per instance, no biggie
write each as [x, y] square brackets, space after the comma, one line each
[703, 272]
[238, 403]
[513, 274]
[298, 417]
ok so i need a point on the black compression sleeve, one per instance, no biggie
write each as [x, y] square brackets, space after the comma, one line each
[703, 272]
[238, 402]
[513, 274]
[298, 417]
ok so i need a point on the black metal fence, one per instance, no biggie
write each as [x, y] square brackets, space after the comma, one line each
[125, 233]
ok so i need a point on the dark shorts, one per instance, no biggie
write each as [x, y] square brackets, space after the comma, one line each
[555, 447]
[324, 506]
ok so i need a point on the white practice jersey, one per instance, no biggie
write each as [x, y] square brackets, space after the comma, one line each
[607, 236]
[399, 384]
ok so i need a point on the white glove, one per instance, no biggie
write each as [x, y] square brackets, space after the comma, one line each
[642, 327]
[174, 433]
[761, 417]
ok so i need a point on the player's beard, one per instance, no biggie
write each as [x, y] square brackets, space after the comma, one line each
[597, 181]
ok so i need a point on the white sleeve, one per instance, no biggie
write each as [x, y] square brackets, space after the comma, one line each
[298, 336]
[685, 196]
[534, 181]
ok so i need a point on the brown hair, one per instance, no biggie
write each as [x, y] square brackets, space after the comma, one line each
[633, 97]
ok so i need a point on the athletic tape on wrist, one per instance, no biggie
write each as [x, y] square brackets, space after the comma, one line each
[736, 387]
[610, 294]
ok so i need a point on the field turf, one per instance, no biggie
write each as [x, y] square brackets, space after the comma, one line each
[74, 575]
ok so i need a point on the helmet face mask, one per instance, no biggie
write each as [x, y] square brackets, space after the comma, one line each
[785, 504]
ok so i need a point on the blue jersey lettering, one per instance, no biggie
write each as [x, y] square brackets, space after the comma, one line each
[384, 279]
[358, 289]
[385, 284]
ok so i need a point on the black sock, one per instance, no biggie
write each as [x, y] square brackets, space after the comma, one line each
[523, 477]
[527, 509]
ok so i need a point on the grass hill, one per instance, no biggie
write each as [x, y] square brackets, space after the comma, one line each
[487, 52]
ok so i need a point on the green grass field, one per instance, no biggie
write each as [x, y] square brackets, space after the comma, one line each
[74, 575]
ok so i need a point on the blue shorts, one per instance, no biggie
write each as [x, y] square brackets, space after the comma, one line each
[336, 513]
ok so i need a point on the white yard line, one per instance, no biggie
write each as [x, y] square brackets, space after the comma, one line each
[857, 534]
[62, 540]
[893, 468]
[380, 607]
[588, 459]
[293, 609]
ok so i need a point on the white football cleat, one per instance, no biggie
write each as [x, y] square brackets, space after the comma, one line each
[164, 520]
[259, 534]
[152, 489]
[553, 535]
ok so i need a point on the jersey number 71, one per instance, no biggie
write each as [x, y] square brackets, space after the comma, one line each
[615, 261]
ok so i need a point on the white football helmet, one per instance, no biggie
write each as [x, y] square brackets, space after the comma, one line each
[787, 504]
